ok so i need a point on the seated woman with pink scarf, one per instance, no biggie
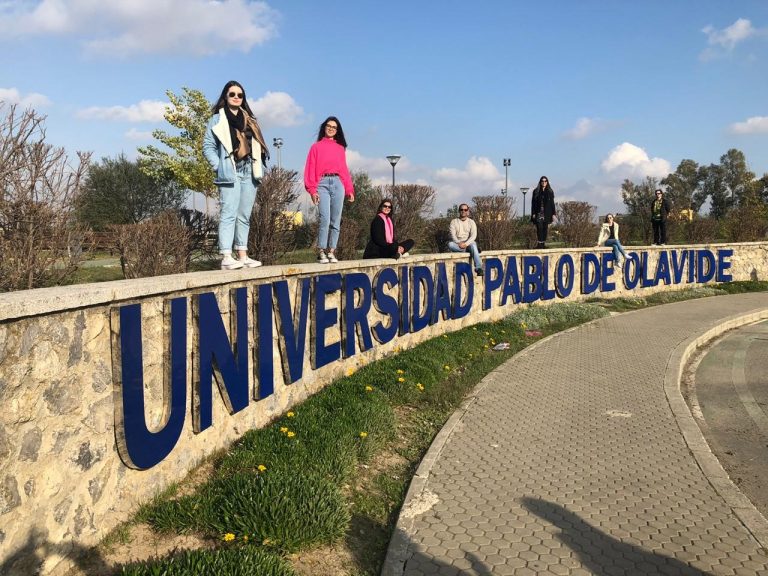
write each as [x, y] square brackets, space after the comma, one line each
[383, 242]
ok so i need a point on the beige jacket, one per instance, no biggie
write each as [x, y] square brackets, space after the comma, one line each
[605, 233]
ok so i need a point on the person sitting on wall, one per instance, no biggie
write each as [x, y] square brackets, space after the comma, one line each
[463, 232]
[609, 236]
[383, 242]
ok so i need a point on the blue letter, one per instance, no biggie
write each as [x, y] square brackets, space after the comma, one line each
[511, 283]
[215, 355]
[705, 272]
[405, 301]
[356, 319]
[325, 318]
[631, 280]
[422, 276]
[646, 282]
[606, 285]
[723, 264]
[564, 288]
[264, 326]
[462, 307]
[491, 284]
[139, 447]
[385, 304]
[662, 269]
[292, 333]
[590, 273]
[442, 294]
[678, 265]
[531, 278]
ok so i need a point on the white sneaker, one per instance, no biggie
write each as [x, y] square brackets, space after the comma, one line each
[332, 258]
[322, 258]
[249, 262]
[229, 263]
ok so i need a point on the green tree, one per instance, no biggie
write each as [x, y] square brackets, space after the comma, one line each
[117, 191]
[714, 189]
[638, 198]
[737, 176]
[189, 113]
[683, 184]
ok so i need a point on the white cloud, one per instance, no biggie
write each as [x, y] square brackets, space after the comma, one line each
[277, 109]
[725, 40]
[586, 127]
[479, 177]
[144, 111]
[30, 100]
[754, 125]
[123, 27]
[141, 135]
[629, 160]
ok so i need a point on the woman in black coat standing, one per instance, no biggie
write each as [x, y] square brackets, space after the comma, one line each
[542, 210]
[383, 242]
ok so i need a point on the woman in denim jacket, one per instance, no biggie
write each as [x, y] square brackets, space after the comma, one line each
[234, 147]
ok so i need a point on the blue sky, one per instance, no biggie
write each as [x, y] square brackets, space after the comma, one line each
[587, 92]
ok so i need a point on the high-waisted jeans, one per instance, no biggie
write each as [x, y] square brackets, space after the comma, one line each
[235, 207]
[331, 201]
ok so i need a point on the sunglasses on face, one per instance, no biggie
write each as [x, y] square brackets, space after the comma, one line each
[463, 209]
[235, 94]
[387, 206]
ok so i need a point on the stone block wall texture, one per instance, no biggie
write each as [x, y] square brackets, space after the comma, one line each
[63, 485]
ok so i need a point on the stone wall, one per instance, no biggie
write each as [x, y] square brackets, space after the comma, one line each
[64, 481]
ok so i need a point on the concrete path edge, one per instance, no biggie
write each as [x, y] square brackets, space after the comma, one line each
[742, 507]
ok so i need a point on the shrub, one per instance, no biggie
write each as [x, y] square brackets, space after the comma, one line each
[271, 234]
[158, 246]
[576, 223]
[495, 219]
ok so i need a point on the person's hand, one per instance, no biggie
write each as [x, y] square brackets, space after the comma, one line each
[315, 199]
[462, 245]
[350, 198]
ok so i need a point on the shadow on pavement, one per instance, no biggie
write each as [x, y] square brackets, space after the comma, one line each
[601, 553]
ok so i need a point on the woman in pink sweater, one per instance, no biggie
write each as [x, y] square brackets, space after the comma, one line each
[327, 179]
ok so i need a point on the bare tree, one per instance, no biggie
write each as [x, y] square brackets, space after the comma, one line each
[496, 222]
[272, 233]
[40, 241]
[160, 245]
[576, 222]
[412, 205]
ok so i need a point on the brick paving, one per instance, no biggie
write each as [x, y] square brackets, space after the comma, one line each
[570, 460]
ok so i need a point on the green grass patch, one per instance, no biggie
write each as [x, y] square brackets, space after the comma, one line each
[237, 560]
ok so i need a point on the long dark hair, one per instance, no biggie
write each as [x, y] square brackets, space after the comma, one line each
[222, 101]
[547, 187]
[339, 138]
[611, 215]
[381, 205]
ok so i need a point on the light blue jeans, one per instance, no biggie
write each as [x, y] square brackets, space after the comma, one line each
[617, 248]
[331, 201]
[235, 207]
[472, 249]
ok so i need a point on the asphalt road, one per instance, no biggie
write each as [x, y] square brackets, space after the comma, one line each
[728, 395]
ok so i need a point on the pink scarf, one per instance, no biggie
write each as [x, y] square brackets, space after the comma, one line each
[389, 229]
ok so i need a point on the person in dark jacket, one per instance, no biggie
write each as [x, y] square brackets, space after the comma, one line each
[542, 210]
[659, 210]
[383, 242]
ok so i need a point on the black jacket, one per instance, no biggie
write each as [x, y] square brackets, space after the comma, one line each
[543, 199]
[665, 208]
[377, 246]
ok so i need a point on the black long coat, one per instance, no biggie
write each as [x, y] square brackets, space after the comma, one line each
[377, 246]
[545, 198]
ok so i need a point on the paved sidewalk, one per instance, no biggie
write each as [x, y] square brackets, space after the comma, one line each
[578, 456]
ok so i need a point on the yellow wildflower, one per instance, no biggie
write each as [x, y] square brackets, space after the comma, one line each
[262, 468]
[266, 542]
[401, 379]
[487, 333]
[228, 537]
[420, 386]
[245, 538]
[445, 336]
[351, 371]
[493, 341]
[291, 414]
[446, 367]
[400, 371]
[369, 388]
[291, 434]
[283, 429]
[363, 434]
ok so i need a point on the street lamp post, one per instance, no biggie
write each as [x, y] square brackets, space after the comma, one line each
[524, 191]
[393, 160]
[278, 143]
[507, 163]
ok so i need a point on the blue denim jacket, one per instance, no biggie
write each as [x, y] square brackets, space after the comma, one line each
[217, 149]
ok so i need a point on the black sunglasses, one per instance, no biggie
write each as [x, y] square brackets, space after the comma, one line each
[235, 94]
[463, 209]
[387, 206]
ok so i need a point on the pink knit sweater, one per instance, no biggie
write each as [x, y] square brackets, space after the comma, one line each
[327, 157]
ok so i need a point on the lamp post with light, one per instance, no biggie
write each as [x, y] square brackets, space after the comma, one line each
[278, 143]
[393, 160]
[507, 163]
[524, 190]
